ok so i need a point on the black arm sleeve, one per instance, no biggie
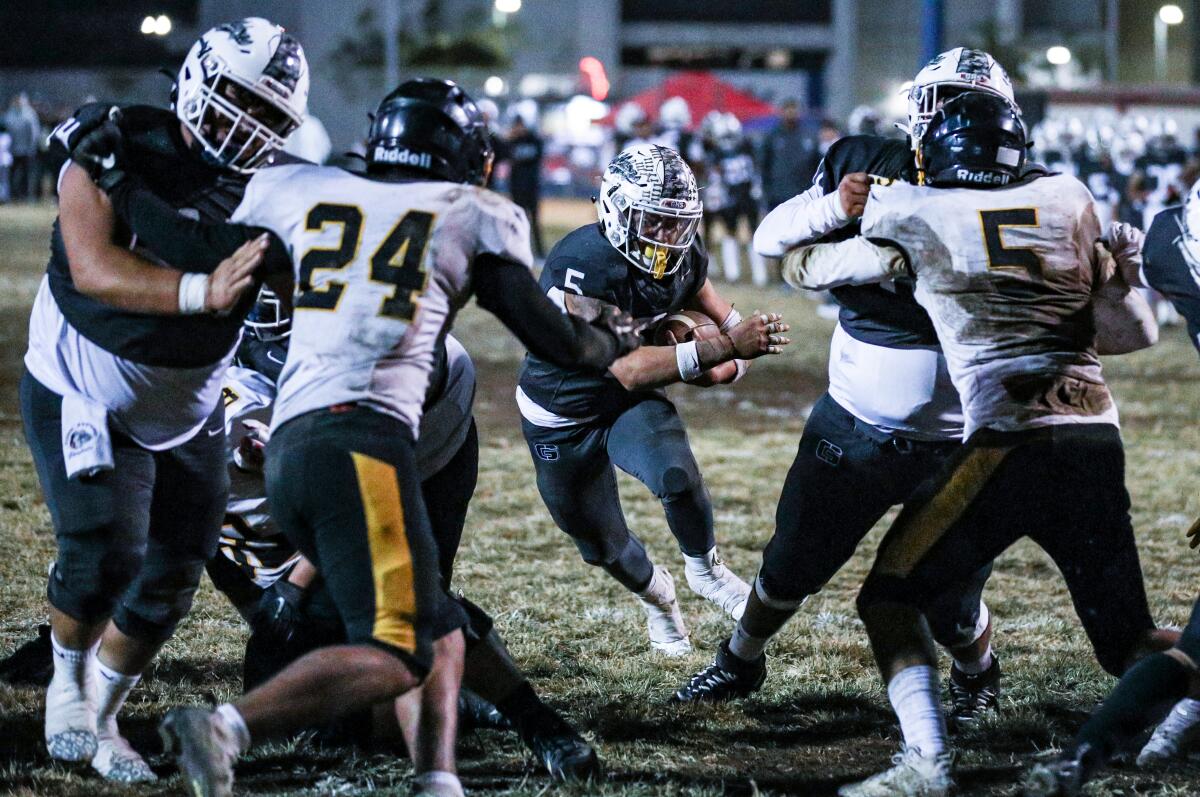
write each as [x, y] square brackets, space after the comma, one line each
[508, 291]
[184, 243]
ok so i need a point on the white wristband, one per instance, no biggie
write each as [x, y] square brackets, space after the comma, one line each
[688, 361]
[193, 288]
[732, 320]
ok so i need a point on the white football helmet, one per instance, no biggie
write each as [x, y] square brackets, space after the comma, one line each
[649, 208]
[627, 117]
[1189, 239]
[674, 114]
[953, 72]
[242, 90]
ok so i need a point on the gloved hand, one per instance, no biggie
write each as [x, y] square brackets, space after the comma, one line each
[248, 456]
[622, 326]
[279, 613]
[1125, 242]
[64, 138]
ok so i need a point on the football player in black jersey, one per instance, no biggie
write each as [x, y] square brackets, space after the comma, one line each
[889, 418]
[121, 393]
[644, 257]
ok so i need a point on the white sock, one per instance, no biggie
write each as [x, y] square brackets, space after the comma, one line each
[731, 262]
[758, 268]
[73, 665]
[915, 695]
[976, 667]
[746, 647]
[114, 687]
[236, 724]
[443, 784]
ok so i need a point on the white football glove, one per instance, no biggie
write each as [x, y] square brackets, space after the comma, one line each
[1126, 241]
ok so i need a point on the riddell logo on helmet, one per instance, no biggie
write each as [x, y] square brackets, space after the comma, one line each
[402, 157]
[987, 178]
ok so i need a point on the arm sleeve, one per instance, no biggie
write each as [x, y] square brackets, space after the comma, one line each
[508, 291]
[802, 219]
[856, 261]
[184, 243]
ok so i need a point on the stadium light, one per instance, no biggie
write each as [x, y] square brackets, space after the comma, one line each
[148, 25]
[508, 6]
[1058, 55]
[162, 25]
[1170, 14]
[1167, 16]
[494, 86]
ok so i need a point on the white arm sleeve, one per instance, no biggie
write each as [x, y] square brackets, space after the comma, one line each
[802, 219]
[856, 261]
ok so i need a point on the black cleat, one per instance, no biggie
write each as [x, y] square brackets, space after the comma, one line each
[32, 663]
[1064, 777]
[972, 695]
[475, 713]
[566, 755]
[728, 677]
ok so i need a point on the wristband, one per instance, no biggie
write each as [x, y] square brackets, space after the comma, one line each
[688, 361]
[732, 320]
[193, 289]
[742, 367]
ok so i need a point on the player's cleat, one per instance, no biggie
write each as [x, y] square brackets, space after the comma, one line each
[32, 663]
[475, 713]
[566, 755]
[117, 761]
[728, 677]
[1063, 777]
[204, 748]
[973, 695]
[668, 634]
[710, 579]
[71, 717]
[911, 775]
[1173, 736]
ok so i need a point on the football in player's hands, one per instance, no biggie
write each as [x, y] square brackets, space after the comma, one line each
[690, 325]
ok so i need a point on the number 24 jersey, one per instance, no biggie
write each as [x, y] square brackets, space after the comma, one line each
[381, 268]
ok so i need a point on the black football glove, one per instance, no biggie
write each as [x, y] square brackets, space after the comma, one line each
[279, 613]
[100, 153]
[64, 138]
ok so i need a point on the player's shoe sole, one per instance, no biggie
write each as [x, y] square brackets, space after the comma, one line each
[207, 768]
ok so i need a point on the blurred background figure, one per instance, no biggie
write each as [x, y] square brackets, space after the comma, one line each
[523, 150]
[633, 127]
[5, 162]
[25, 130]
[730, 162]
[789, 157]
[310, 141]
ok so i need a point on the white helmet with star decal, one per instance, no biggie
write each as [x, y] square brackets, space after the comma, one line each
[649, 207]
[242, 90]
[950, 73]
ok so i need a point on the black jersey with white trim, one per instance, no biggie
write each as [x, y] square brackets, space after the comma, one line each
[883, 315]
[585, 263]
[1171, 270]
[155, 151]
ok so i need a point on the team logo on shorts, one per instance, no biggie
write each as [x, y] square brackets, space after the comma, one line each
[546, 452]
[828, 453]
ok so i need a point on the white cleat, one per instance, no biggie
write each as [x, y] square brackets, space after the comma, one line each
[911, 775]
[1173, 735]
[117, 761]
[668, 634]
[710, 579]
[71, 717]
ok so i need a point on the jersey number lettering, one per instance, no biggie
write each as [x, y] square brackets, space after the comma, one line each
[1001, 257]
[398, 261]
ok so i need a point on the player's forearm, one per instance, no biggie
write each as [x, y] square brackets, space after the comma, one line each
[1124, 320]
[652, 367]
[856, 261]
[802, 219]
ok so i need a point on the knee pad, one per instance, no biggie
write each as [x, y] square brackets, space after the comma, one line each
[158, 601]
[951, 630]
[882, 589]
[677, 482]
[89, 577]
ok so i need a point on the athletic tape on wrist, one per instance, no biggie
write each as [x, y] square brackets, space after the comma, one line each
[688, 361]
[732, 320]
[193, 288]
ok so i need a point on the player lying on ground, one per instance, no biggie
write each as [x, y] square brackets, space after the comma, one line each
[1022, 297]
[121, 392]
[375, 291]
[644, 257]
[887, 422]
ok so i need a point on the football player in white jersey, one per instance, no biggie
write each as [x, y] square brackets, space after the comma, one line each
[1022, 297]
[120, 395]
[382, 263]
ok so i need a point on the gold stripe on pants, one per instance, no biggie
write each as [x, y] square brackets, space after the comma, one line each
[391, 561]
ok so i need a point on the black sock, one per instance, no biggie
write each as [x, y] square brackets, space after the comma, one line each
[1144, 694]
[522, 705]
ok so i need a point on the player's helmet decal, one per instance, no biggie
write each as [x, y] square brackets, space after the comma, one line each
[976, 139]
[947, 75]
[238, 32]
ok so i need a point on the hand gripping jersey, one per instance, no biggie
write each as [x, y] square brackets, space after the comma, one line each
[1007, 276]
[381, 268]
[585, 263]
[1170, 269]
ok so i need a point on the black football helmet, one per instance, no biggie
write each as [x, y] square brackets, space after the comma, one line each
[975, 140]
[432, 126]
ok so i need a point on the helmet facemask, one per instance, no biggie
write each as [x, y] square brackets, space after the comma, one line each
[267, 320]
[658, 237]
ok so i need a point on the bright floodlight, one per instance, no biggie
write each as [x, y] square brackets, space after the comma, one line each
[494, 86]
[1058, 55]
[1171, 14]
[148, 25]
[162, 25]
[508, 6]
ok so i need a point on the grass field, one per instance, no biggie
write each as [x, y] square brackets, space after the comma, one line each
[822, 718]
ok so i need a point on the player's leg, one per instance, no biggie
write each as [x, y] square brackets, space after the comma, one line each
[731, 255]
[961, 623]
[649, 442]
[447, 496]
[758, 263]
[101, 524]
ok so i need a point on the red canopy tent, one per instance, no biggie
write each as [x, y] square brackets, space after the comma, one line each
[703, 92]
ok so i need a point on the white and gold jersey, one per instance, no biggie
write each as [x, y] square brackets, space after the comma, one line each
[381, 268]
[1007, 276]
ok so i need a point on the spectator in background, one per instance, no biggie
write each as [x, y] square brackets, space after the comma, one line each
[828, 133]
[524, 155]
[789, 157]
[5, 162]
[25, 129]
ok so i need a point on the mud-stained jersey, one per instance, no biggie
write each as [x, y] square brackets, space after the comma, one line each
[381, 268]
[1007, 276]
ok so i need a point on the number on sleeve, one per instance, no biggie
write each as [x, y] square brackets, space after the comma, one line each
[326, 296]
[399, 261]
[1001, 257]
[570, 282]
